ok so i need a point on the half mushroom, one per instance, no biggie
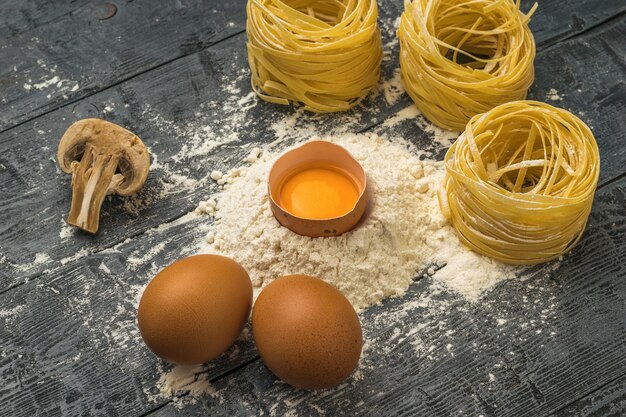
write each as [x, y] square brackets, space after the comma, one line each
[104, 159]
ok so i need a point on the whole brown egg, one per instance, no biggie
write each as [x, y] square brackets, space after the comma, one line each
[306, 332]
[194, 309]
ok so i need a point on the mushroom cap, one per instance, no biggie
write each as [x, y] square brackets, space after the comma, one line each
[108, 139]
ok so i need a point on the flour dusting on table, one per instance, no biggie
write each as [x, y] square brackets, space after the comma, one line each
[404, 238]
[554, 95]
[404, 233]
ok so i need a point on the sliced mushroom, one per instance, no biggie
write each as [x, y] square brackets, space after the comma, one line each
[104, 159]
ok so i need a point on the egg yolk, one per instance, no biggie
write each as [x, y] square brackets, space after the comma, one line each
[319, 193]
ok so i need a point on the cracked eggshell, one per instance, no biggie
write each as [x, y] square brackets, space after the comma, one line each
[311, 154]
[194, 309]
[306, 332]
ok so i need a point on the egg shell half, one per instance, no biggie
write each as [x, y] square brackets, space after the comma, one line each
[315, 154]
[307, 333]
[194, 309]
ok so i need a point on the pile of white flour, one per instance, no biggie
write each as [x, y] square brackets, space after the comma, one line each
[405, 233]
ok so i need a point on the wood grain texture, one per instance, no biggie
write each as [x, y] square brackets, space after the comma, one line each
[607, 401]
[577, 70]
[21, 16]
[80, 52]
[551, 343]
[528, 348]
[71, 346]
[168, 106]
[81, 45]
[573, 16]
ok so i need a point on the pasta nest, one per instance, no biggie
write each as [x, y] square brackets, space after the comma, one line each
[325, 54]
[459, 58]
[520, 182]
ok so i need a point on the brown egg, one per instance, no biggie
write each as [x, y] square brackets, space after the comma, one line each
[194, 309]
[306, 332]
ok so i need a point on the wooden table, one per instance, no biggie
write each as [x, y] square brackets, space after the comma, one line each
[549, 343]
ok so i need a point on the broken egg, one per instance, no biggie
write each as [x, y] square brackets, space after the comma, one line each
[194, 309]
[307, 333]
[318, 189]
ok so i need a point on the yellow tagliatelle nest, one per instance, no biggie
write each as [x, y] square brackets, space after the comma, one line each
[460, 58]
[325, 54]
[520, 181]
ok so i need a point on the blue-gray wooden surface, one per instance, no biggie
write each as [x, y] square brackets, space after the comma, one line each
[549, 343]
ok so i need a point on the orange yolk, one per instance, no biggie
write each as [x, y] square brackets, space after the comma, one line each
[319, 193]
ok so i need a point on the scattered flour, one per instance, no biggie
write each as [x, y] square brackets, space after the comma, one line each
[134, 260]
[202, 139]
[81, 253]
[137, 290]
[182, 384]
[411, 115]
[443, 137]
[41, 258]
[191, 379]
[392, 88]
[66, 230]
[469, 273]
[104, 268]
[62, 85]
[403, 237]
[300, 126]
[553, 95]
[53, 81]
[47, 83]
[404, 232]
[200, 136]
[8, 314]
[408, 113]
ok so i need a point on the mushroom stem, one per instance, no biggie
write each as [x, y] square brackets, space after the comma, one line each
[103, 158]
[90, 181]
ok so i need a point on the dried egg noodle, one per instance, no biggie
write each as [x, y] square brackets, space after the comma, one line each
[325, 54]
[520, 181]
[459, 58]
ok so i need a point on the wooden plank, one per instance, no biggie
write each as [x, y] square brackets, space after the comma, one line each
[197, 96]
[82, 50]
[89, 300]
[71, 345]
[21, 16]
[578, 71]
[608, 401]
[92, 52]
[572, 17]
[446, 362]
[111, 393]
[528, 348]
[194, 96]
